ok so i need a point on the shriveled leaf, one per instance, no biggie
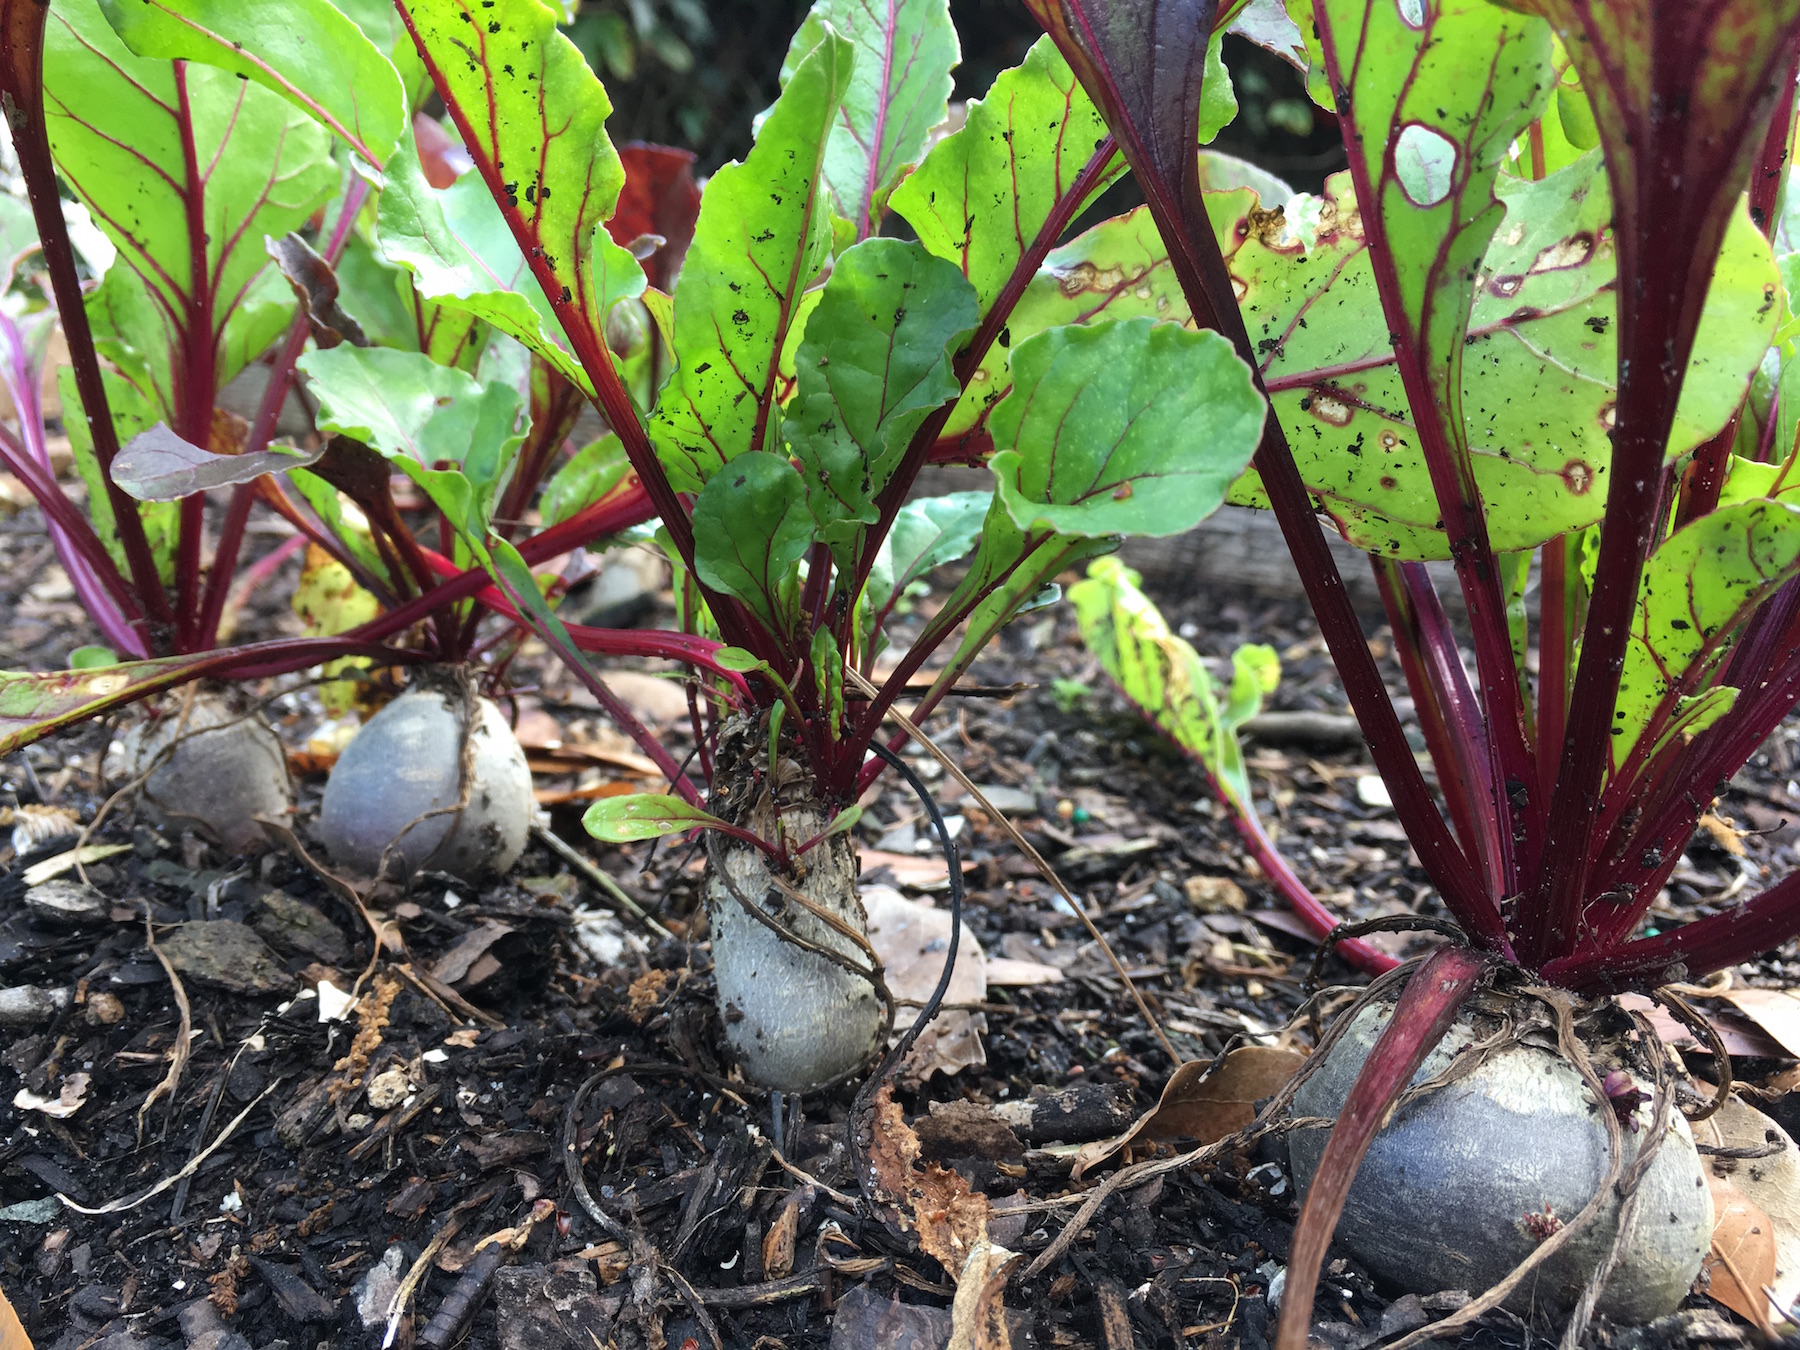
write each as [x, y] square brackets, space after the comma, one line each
[874, 364]
[911, 937]
[327, 601]
[1124, 428]
[33, 704]
[306, 51]
[899, 90]
[1539, 363]
[763, 234]
[1698, 587]
[983, 193]
[751, 529]
[643, 815]
[1205, 1100]
[159, 466]
[1162, 673]
[533, 117]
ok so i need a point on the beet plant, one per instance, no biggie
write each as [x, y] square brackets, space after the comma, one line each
[1538, 324]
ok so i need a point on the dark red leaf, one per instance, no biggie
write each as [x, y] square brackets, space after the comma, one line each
[660, 197]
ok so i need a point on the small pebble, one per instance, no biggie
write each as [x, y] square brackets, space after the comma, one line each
[105, 1010]
[1066, 809]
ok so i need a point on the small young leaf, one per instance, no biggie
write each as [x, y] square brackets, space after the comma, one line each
[828, 679]
[159, 466]
[926, 533]
[983, 192]
[751, 529]
[643, 815]
[92, 658]
[306, 51]
[762, 236]
[843, 822]
[899, 90]
[1125, 428]
[736, 658]
[874, 364]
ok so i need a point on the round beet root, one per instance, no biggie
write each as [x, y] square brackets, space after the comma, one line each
[395, 789]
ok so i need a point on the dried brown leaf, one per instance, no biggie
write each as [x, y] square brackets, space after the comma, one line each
[1205, 1101]
[1742, 1258]
[978, 1314]
[950, 1218]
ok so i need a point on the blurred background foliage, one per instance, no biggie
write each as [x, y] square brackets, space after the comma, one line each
[693, 73]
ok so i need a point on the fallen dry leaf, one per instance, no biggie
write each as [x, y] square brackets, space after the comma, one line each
[949, 1217]
[1741, 1034]
[1772, 1184]
[12, 1331]
[1776, 1011]
[1742, 1258]
[978, 1313]
[1205, 1101]
[1012, 972]
[912, 937]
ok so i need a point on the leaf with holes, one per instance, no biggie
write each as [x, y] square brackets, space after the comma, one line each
[306, 51]
[982, 193]
[874, 364]
[1123, 428]
[763, 234]
[751, 529]
[533, 117]
[899, 90]
[1538, 365]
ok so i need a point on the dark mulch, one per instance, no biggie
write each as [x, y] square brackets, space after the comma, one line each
[319, 1196]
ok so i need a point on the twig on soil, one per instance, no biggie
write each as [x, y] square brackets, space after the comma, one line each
[588, 869]
[694, 1302]
[807, 1178]
[572, 1162]
[193, 1164]
[1384, 923]
[396, 1309]
[743, 1296]
[1037, 859]
[178, 1056]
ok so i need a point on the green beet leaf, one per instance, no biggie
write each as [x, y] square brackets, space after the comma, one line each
[420, 414]
[533, 117]
[306, 51]
[593, 472]
[1698, 588]
[124, 129]
[926, 533]
[983, 193]
[1123, 428]
[463, 254]
[1166, 678]
[874, 364]
[762, 235]
[1539, 365]
[751, 529]
[644, 815]
[899, 90]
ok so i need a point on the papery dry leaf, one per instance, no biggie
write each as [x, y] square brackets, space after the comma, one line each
[1776, 1011]
[1771, 1183]
[978, 1314]
[778, 1243]
[70, 1099]
[1205, 1101]
[1724, 832]
[1742, 1258]
[12, 1331]
[911, 937]
[950, 1218]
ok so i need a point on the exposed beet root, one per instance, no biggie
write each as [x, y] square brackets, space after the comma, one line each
[395, 790]
[224, 769]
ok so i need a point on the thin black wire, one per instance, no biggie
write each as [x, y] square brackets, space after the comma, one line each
[891, 1060]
